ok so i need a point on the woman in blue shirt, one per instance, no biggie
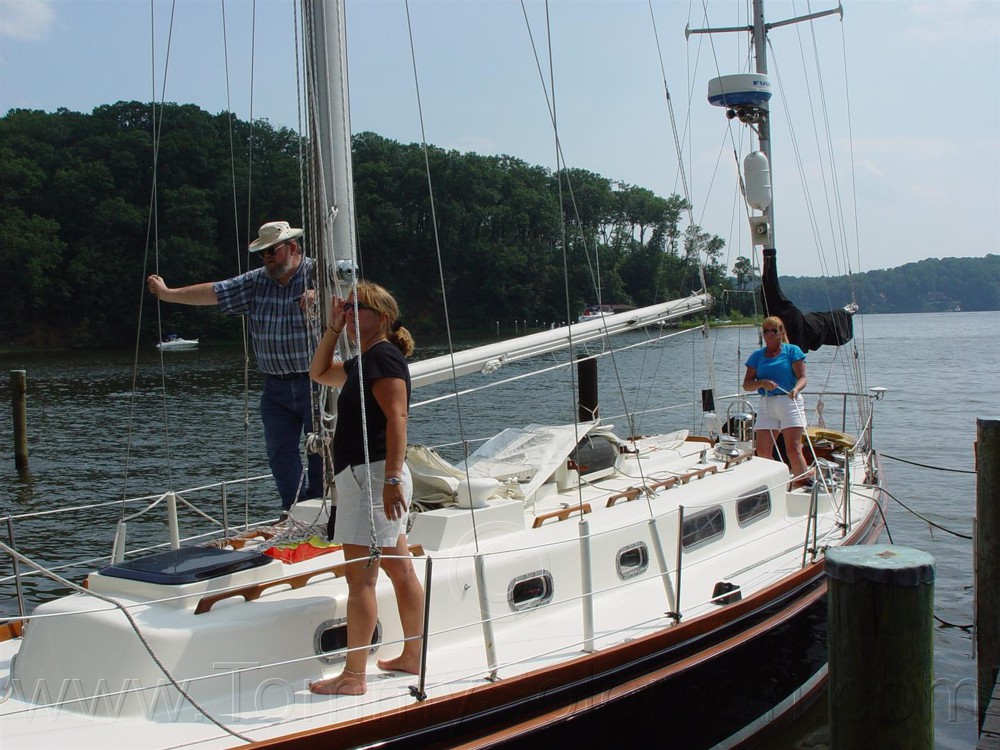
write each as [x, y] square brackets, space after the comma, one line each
[778, 373]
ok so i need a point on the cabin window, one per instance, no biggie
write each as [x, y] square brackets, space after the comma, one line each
[703, 527]
[632, 560]
[752, 507]
[330, 639]
[531, 590]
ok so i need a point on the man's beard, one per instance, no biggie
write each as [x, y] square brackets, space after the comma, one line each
[276, 272]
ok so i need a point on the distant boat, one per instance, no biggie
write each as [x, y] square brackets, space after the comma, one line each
[594, 312]
[174, 343]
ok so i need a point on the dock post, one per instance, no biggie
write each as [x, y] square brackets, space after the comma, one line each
[880, 615]
[19, 403]
[987, 559]
[587, 404]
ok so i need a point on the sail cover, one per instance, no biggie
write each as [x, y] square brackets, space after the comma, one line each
[808, 331]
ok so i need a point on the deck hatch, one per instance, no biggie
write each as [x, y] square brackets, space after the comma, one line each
[185, 565]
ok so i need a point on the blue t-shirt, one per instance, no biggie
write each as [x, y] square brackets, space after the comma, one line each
[279, 330]
[777, 368]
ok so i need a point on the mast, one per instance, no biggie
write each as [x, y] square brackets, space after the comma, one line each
[332, 180]
[763, 129]
[747, 97]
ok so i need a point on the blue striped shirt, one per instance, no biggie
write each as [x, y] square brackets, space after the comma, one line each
[282, 342]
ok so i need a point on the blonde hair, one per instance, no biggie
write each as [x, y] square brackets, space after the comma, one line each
[381, 301]
[773, 321]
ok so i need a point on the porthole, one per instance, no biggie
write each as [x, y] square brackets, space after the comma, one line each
[330, 640]
[531, 590]
[703, 527]
[632, 560]
[752, 507]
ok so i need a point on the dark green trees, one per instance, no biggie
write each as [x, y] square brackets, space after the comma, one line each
[83, 226]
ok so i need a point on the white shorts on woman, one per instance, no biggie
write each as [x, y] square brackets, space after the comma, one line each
[778, 413]
[353, 524]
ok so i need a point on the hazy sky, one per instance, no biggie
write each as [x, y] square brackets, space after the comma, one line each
[922, 88]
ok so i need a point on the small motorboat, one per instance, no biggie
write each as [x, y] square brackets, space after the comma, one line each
[174, 343]
[595, 312]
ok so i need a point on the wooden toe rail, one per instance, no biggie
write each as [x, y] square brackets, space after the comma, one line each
[628, 496]
[11, 630]
[562, 514]
[666, 484]
[746, 456]
[698, 474]
[254, 590]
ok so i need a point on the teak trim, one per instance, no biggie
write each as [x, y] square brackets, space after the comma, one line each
[562, 514]
[254, 590]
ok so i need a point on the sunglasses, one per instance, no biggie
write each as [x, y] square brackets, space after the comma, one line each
[349, 307]
[771, 330]
[273, 250]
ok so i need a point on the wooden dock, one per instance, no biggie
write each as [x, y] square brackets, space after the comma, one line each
[989, 738]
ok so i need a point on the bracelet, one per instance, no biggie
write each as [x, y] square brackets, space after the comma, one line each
[334, 330]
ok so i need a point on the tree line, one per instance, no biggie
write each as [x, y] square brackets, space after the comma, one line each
[89, 209]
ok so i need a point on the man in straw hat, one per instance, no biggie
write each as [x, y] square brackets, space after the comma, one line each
[274, 298]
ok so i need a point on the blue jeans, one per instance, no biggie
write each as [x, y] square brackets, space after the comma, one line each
[286, 411]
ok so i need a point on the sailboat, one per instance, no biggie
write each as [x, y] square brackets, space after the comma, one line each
[577, 582]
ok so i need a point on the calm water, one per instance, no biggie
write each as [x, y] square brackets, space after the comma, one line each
[187, 428]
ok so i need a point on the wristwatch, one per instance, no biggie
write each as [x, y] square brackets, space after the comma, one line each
[394, 481]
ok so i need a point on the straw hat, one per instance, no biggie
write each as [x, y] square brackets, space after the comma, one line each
[274, 233]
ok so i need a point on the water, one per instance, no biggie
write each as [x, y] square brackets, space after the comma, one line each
[942, 372]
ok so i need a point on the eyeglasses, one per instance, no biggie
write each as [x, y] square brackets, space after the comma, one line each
[273, 250]
[349, 307]
[771, 330]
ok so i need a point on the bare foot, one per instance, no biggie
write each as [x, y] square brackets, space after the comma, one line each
[345, 683]
[400, 664]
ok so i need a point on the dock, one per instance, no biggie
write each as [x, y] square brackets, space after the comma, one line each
[989, 737]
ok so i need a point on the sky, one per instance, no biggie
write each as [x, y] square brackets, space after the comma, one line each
[907, 96]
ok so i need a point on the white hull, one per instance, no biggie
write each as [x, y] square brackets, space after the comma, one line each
[248, 663]
[177, 345]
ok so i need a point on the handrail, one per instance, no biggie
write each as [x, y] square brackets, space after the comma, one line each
[628, 496]
[699, 473]
[253, 591]
[562, 514]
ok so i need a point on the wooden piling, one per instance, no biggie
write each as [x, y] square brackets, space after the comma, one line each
[19, 404]
[587, 405]
[880, 616]
[987, 559]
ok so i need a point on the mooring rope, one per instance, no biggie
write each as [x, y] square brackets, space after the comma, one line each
[927, 466]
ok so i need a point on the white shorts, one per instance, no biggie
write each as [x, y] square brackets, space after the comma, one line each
[353, 524]
[779, 413]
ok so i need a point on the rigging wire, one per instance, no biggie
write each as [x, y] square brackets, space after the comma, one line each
[564, 174]
[562, 171]
[152, 238]
[239, 261]
[440, 264]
